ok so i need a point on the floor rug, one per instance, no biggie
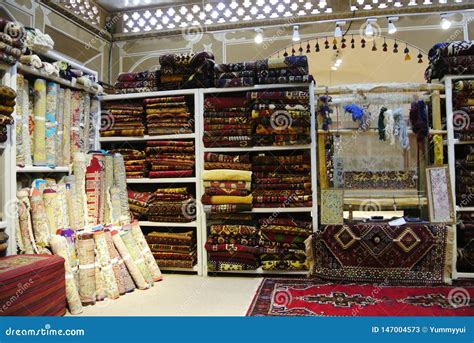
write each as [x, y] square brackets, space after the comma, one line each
[306, 297]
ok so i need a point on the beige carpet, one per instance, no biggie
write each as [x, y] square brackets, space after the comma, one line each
[184, 295]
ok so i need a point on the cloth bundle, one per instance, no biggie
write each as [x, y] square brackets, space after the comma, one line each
[281, 181]
[227, 122]
[7, 104]
[465, 180]
[171, 205]
[241, 74]
[173, 249]
[227, 190]
[226, 161]
[139, 203]
[12, 41]
[170, 158]
[168, 115]
[463, 109]
[186, 71]
[135, 162]
[290, 69]
[281, 117]
[281, 243]
[456, 57]
[122, 119]
[145, 81]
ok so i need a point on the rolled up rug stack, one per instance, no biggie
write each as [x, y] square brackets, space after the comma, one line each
[240, 74]
[122, 119]
[171, 205]
[139, 203]
[227, 122]
[463, 110]
[290, 69]
[454, 57]
[170, 158]
[281, 243]
[281, 181]
[281, 117]
[7, 105]
[227, 191]
[144, 81]
[135, 162]
[186, 70]
[12, 41]
[168, 115]
[173, 249]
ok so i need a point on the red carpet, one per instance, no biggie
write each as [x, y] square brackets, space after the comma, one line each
[305, 297]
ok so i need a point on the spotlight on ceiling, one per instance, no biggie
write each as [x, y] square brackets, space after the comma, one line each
[369, 30]
[259, 36]
[296, 33]
[338, 30]
[445, 22]
[391, 26]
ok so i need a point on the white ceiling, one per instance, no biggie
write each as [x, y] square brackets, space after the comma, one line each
[121, 5]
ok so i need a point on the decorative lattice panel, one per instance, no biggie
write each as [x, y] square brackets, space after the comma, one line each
[385, 4]
[86, 9]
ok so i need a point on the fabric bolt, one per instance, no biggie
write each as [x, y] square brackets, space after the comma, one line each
[75, 131]
[120, 277]
[70, 194]
[95, 188]
[49, 200]
[108, 183]
[39, 221]
[79, 167]
[66, 141]
[51, 123]
[99, 283]
[172, 238]
[145, 250]
[39, 154]
[105, 265]
[121, 182]
[136, 254]
[282, 62]
[23, 144]
[25, 222]
[87, 272]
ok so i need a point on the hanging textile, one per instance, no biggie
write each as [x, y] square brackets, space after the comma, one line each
[39, 120]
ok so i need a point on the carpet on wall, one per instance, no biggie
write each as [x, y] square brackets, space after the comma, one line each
[309, 297]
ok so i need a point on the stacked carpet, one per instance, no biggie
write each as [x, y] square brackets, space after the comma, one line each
[226, 191]
[282, 180]
[139, 203]
[465, 243]
[7, 104]
[145, 81]
[135, 162]
[122, 119]
[186, 70]
[12, 38]
[463, 110]
[281, 243]
[290, 69]
[281, 117]
[465, 180]
[173, 249]
[225, 161]
[227, 122]
[171, 205]
[240, 74]
[168, 115]
[452, 57]
[170, 158]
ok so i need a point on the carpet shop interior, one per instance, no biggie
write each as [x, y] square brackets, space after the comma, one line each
[237, 158]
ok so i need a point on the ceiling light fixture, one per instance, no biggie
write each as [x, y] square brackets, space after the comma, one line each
[445, 22]
[369, 30]
[391, 26]
[258, 36]
[296, 33]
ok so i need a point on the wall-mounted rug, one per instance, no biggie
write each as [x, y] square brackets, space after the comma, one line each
[307, 297]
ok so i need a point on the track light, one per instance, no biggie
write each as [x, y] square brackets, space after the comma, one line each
[258, 36]
[391, 26]
[334, 68]
[296, 33]
[338, 30]
[369, 30]
[445, 22]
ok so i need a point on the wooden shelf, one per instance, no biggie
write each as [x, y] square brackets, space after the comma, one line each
[260, 271]
[167, 224]
[38, 169]
[280, 209]
[147, 138]
[464, 275]
[458, 142]
[464, 209]
[370, 131]
[114, 97]
[172, 269]
[163, 180]
[259, 148]
[255, 88]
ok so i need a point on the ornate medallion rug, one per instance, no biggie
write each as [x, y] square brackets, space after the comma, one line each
[306, 297]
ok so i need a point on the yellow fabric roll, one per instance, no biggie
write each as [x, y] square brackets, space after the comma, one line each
[230, 199]
[438, 150]
[227, 175]
[39, 153]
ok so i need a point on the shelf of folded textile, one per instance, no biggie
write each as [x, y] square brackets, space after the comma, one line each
[124, 118]
[134, 161]
[465, 243]
[170, 159]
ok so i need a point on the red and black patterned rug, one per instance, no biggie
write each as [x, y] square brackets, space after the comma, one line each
[306, 297]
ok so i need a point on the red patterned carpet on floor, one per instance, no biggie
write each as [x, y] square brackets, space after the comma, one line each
[306, 297]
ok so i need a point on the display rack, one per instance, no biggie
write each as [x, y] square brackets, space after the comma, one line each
[448, 81]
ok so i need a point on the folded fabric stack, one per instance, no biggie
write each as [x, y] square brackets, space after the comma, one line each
[139, 203]
[173, 249]
[281, 243]
[135, 162]
[170, 158]
[233, 245]
[122, 119]
[290, 69]
[446, 58]
[226, 191]
[144, 81]
[281, 181]
[240, 74]
[186, 71]
[12, 41]
[465, 242]
[171, 205]
[282, 117]
[7, 105]
[225, 161]
[465, 181]
[227, 122]
[169, 115]
[463, 110]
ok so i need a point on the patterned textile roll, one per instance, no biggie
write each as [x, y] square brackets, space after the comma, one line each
[40, 221]
[70, 194]
[129, 262]
[135, 253]
[123, 278]
[23, 147]
[115, 204]
[79, 166]
[145, 250]
[109, 182]
[66, 145]
[99, 283]
[87, 279]
[39, 155]
[51, 123]
[60, 120]
[49, 199]
[95, 177]
[60, 247]
[63, 219]
[94, 126]
[120, 179]
[73, 260]
[75, 122]
[105, 265]
[24, 216]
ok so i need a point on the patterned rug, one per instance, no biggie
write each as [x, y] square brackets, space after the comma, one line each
[306, 297]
